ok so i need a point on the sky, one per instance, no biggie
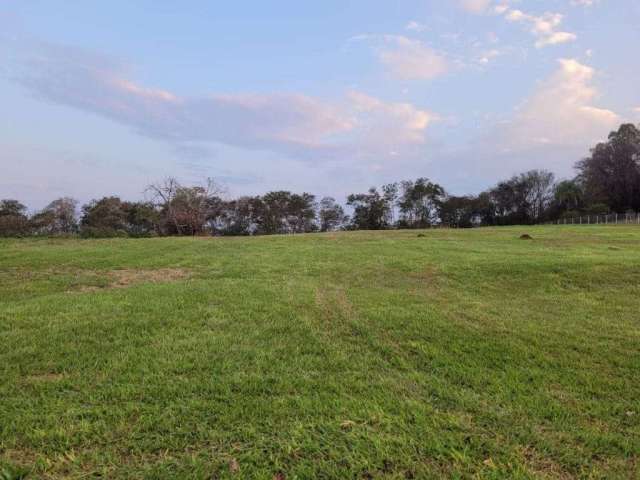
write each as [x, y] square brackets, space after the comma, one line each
[328, 97]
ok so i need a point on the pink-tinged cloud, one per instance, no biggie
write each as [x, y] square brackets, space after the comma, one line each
[474, 6]
[296, 125]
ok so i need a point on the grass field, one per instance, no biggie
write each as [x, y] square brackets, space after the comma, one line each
[460, 354]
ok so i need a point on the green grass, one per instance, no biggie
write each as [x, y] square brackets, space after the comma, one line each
[463, 354]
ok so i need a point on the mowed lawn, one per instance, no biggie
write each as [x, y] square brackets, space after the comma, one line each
[456, 354]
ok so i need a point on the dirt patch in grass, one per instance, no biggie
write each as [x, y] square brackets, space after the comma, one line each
[127, 277]
[45, 377]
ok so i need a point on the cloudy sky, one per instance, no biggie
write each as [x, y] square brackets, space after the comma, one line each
[329, 97]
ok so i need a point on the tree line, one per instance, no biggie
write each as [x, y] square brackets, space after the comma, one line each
[607, 181]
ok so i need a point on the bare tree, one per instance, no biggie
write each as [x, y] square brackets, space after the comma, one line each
[162, 194]
[186, 209]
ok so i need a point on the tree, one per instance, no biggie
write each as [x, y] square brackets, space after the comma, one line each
[568, 197]
[13, 218]
[110, 216]
[508, 200]
[331, 215]
[185, 210]
[390, 196]
[370, 210]
[420, 202]
[284, 212]
[539, 188]
[461, 212]
[301, 213]
[57, 218]
[524, 198]
[162, 195]
[485, 209]
[142, 219]
[233, 217]
[611, 174]
[104, 218]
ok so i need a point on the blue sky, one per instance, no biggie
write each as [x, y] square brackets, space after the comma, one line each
[328, 97]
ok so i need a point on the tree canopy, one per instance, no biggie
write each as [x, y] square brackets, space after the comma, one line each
[607, 181]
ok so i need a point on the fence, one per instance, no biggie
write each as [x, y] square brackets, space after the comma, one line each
[608, 219]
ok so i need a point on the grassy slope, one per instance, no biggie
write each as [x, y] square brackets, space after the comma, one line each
[356, 355]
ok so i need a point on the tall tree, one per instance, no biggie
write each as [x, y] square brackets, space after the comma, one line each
[301, 216]
[420, 202]
[611, 174]
[331, 215]
[524, 198]
[370, 210]
[390, 195]
[539, 186]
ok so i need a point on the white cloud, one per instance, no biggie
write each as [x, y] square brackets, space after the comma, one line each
[411, 59]
[583, 3]
[560, 112]
[389, 124]
[487, 56]
[551, 129]
[475, 6]
[545, 27]
[555, 39]
[414, 26]
[295, 125]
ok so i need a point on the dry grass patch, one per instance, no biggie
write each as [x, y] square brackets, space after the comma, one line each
[124, 278]
[334, 303]
[542, 466]
[45, 377]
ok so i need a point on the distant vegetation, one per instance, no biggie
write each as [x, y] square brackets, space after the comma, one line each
[607, 181]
